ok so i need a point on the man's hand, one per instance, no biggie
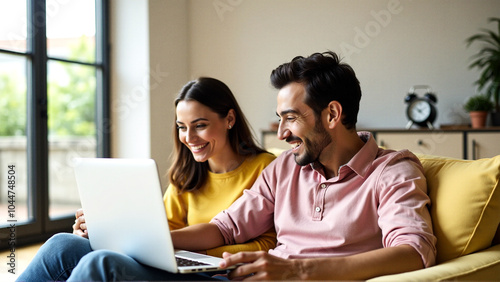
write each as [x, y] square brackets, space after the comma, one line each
[261, 266]
[80, 228]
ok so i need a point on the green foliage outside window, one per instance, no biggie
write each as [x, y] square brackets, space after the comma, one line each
[71, 97]
[12, 106]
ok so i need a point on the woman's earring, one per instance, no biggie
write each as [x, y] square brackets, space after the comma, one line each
[230, 126]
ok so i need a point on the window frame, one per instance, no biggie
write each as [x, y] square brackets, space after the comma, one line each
[41, 226]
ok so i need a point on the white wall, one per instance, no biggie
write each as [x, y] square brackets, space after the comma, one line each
[129, 79]
[392, 45]
[148, 67]
[158, 45]
[168, 61]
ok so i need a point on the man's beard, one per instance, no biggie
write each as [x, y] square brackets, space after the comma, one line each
[312, 149]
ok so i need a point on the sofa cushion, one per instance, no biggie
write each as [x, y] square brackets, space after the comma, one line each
[465, 203]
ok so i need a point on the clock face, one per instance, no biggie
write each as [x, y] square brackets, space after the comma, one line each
[419, 110]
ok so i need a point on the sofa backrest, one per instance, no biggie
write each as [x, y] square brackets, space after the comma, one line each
[465, 203]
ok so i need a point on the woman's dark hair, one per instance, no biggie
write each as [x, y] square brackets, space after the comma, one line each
[186, 173]
[325, 79]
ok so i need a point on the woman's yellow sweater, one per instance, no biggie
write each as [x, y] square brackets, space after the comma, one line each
[218, 193]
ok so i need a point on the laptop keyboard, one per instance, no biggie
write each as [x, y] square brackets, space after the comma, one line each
[188, 262]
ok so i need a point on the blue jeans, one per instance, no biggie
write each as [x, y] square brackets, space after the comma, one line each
[69, 257]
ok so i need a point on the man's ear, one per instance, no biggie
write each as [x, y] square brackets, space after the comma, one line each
[334, 114]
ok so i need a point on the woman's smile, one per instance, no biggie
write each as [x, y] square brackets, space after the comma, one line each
[198, 148]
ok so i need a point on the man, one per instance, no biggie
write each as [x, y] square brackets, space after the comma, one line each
[342, 207]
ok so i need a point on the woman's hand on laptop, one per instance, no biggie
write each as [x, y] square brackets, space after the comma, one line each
[80, 228]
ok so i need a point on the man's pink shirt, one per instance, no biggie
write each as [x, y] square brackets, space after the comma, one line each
[377, 200]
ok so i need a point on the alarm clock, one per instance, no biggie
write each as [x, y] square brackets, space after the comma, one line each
[421, 110]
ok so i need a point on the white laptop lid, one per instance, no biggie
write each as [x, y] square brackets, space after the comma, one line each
[124, 211]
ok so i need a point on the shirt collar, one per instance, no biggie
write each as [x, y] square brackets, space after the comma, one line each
[361, 162]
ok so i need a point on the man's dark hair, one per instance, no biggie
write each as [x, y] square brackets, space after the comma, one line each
[325, 79]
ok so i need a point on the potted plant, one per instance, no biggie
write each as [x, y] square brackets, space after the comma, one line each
[478, 107]
[487, 60]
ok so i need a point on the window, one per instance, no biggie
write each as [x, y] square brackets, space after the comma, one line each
[54, 101]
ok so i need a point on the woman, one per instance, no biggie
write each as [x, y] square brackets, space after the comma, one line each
[215, 159]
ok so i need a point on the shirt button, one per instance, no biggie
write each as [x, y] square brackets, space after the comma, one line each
[318, 209]
[323, 185]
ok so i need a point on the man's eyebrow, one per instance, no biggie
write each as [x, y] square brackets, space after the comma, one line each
[194, 121]
[291, 111]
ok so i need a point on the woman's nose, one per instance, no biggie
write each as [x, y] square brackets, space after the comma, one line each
[190, 135]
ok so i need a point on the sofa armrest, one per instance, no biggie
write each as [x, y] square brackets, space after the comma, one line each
[482, 265]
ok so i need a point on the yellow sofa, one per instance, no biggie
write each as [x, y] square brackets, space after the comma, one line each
[465, 211]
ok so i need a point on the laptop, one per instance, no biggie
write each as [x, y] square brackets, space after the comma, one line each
[124, 211]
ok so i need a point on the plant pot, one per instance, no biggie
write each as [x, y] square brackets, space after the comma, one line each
[478, 119]
[495, 118]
